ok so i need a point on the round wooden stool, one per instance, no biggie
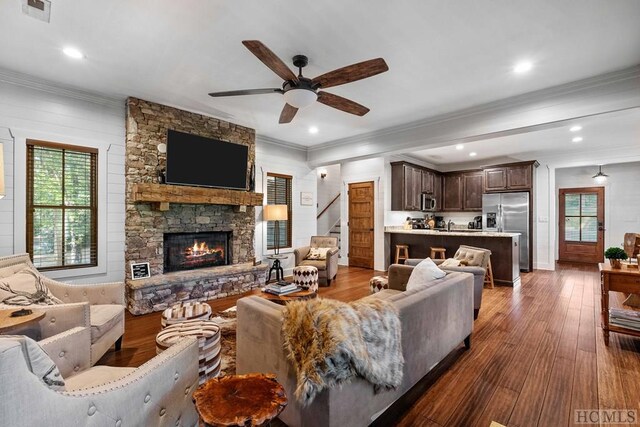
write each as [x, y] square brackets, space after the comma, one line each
[208, 334]
[405, 253]
[183, 311]
[438, 253]
[240, 400]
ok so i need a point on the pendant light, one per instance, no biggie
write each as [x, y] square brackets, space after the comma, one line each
[600, 177]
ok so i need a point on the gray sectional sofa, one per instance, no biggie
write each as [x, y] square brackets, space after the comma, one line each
[435, 321]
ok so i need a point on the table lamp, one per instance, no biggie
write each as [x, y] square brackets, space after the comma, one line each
[276, 213]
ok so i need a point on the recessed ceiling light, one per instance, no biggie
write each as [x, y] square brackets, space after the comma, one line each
[473, 154]
[522, 67]
[575, 128]
[577, 139]
[459, 147]
[72, 52]
[313, 130]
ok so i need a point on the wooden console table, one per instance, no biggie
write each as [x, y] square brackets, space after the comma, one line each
[625, 280]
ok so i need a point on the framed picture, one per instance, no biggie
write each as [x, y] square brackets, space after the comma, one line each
[140, 270]
[306, 198]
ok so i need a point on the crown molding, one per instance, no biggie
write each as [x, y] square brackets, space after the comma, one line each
[267, 140]
[539, 95]
[32, 82]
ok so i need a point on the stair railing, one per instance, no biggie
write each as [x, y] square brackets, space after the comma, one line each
[328, 206]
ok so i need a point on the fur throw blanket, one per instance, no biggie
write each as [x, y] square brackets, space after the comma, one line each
[329, 342]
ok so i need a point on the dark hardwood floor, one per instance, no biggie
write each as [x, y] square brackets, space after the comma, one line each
[537, 354]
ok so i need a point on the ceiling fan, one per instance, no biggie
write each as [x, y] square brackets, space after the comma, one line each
[300, 91]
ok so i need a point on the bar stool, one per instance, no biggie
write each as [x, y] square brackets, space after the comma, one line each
[438, 253]
[405, 253]
[488, 277]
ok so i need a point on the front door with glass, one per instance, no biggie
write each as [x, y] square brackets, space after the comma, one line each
[581, 227]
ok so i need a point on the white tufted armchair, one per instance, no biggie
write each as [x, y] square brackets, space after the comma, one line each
[97, 306]
[158, 393]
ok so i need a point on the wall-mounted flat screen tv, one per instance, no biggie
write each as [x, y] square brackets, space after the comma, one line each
[205, 162]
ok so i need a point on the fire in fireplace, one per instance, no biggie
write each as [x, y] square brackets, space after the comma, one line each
[187, 251]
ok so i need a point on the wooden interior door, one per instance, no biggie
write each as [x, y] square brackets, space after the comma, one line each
[581, 228]
[361, 209]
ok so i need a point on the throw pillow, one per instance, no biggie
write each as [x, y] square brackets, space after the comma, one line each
[450, 262]
[471, 257]
[424, 274]
[39, 362]
[319, 254]
[24, 288]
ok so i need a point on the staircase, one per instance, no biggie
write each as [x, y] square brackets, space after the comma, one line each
[336, 232]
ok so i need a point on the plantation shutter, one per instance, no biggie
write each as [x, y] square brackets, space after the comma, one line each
[61, 205]
[279, 193]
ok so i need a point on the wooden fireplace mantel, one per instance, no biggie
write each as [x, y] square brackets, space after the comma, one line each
[163, 194]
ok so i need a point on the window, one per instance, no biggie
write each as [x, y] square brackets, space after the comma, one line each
[279, 193]
[61, 205]
[581, 217]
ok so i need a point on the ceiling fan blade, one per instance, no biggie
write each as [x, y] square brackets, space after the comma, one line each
[270, 59]
[351, 73]
[246, 92]
[288, 112]
[342, 104]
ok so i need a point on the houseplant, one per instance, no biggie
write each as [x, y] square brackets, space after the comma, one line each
[614, 255]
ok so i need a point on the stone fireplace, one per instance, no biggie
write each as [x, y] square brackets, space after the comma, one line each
[165, 234]
[189, 251]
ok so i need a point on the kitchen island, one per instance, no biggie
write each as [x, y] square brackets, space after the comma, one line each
[504, 247]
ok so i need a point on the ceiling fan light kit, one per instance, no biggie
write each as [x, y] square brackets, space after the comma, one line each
[301, 92]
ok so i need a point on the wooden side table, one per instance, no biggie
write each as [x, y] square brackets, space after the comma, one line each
[293, 296]
[240, 400]
[625, 280]
[7, 322]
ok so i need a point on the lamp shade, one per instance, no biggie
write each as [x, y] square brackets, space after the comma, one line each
[2, 190]
[275, 213]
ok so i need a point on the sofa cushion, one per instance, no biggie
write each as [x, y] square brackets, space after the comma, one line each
[12, 269]
[39, 362]
[424, 274]
[25, 287]
[103, 318]
[98, 375]
[470, 257]
[318, 253]
[320, 265]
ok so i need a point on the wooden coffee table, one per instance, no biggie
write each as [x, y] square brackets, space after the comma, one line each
[293, 296]
[240, 400]
[7, 322]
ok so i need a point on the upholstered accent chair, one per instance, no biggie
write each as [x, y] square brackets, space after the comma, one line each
[328, 267]
[97, 306]
[477, 258]
[158, 393]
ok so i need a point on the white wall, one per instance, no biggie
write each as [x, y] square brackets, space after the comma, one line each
[288, 161]
[34, 111]
[621, 196]
[328, 188]
[6, 203]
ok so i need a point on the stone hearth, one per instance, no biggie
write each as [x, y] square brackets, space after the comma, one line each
[145, 224]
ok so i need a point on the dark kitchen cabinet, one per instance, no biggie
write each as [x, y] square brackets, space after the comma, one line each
[472, 191]
[452, 192]
[406, 187]
[463, 191]
[511, 177]
[428, 182]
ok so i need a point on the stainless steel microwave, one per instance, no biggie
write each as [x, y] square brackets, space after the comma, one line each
[428, 203]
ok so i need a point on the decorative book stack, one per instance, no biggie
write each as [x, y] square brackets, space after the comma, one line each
[281, 288]
[624, 318]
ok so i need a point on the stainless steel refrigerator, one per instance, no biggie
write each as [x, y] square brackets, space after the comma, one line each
[508, 213]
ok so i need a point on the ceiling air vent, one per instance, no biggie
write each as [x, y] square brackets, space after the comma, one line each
[39, 9]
